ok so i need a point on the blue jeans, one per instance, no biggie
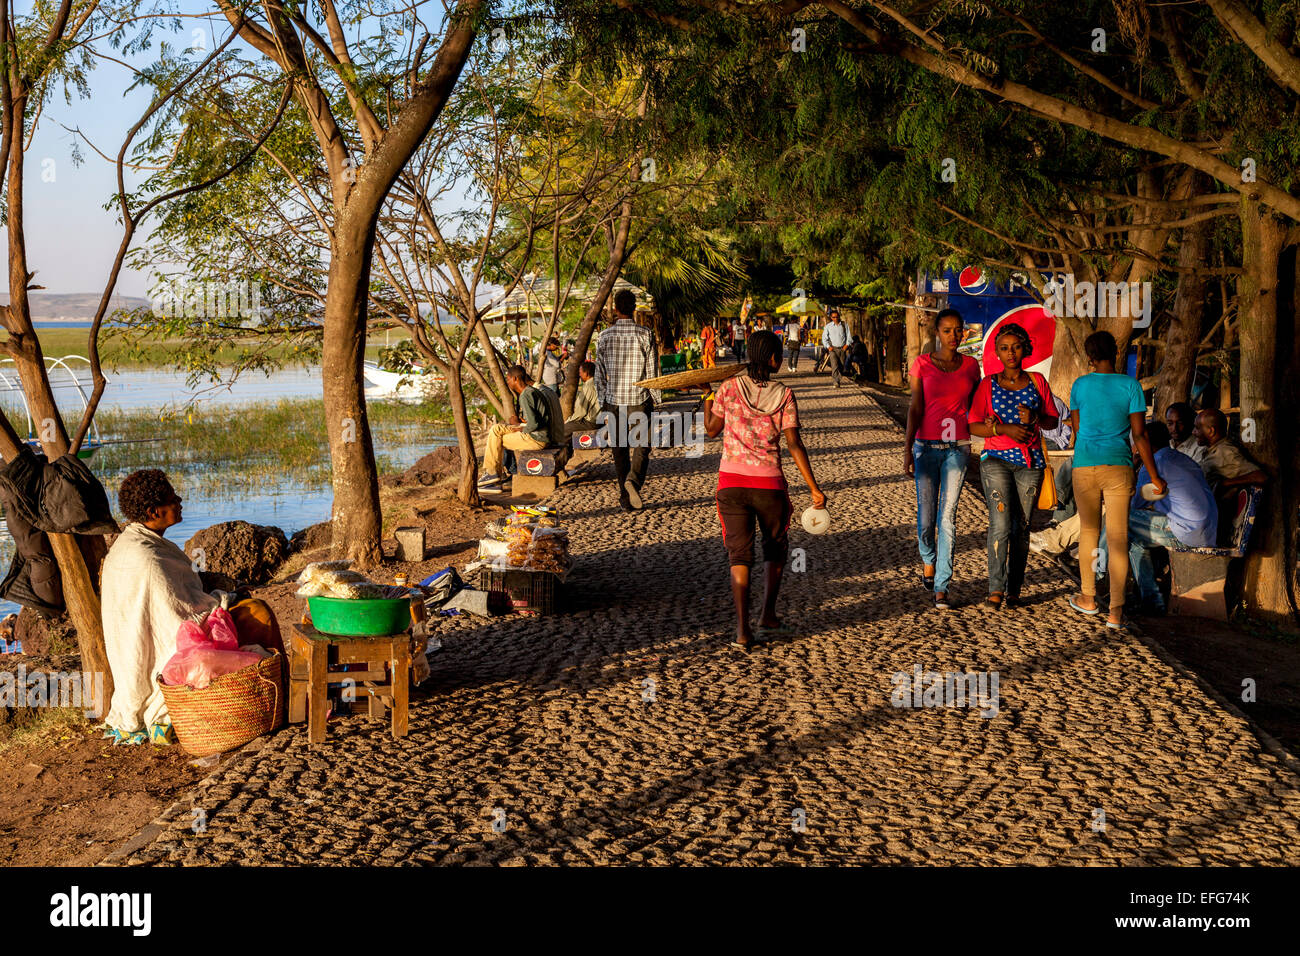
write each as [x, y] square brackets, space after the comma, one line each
[940, 468]
[1011, 491]
[1146, 530]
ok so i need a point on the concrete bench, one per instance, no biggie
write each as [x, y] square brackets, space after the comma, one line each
[1198, 575]
[539, 472]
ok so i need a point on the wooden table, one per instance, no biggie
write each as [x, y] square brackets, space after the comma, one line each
[315, 660]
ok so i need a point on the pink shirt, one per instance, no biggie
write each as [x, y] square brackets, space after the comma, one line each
[947, 398]
[751, 440]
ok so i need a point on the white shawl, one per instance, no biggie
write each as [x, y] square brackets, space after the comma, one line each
[147, 587]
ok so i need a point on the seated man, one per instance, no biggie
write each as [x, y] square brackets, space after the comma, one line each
[1224, 464]
[1182, 437]
[1187, 515]
[149, 589]
[586, 406]
[542, 426]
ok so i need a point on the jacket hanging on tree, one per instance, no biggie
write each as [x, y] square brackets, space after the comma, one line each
[41, 497]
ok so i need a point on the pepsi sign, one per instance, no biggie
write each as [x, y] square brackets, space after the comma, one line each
[533, 466]
[972, 280]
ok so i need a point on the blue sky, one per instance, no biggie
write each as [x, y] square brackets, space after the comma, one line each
[71, 238]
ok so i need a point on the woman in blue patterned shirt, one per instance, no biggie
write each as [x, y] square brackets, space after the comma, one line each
[1008, 411]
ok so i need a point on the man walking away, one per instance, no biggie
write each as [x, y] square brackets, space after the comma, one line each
[625, 355]
[836, 339]
[542, 426]
[793, 339]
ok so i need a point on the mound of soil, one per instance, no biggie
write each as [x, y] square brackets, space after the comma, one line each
[311, 538]
[246, 552]
[45, 635]
[439, 464]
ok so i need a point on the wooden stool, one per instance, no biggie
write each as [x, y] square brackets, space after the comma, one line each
[314, 662]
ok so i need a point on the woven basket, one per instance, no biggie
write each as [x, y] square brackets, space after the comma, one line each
[695, 376]
[229, 712]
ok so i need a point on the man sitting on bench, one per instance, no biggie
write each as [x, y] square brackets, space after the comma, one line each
[542, 427]
[1187, 516]
[586, 406]
[1224, 464]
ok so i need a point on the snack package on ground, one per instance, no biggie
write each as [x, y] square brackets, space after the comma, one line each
[491, 548]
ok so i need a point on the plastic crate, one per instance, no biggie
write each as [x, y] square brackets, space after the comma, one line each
[519, 592]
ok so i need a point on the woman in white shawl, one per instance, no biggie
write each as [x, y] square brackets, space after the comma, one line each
[149, 588]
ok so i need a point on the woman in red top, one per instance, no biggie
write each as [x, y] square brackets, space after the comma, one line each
[938, 447]
[755, 412]
[1009, 410]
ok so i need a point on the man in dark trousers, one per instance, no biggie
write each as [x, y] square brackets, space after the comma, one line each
[625, 355]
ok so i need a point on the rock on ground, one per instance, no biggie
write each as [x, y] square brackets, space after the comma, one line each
[319, 535]
[44, 635]
[246, 552]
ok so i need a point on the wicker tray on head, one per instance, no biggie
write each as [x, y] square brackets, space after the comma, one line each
[695, 376]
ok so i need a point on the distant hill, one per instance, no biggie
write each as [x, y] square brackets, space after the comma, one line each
[74, 307]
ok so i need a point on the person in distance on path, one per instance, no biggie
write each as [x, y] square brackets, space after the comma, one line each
[754, 412]
[625, 355]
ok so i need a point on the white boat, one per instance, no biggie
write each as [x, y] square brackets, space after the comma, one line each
[381, 381]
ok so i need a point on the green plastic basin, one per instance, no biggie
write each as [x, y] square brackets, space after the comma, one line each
[376, 617]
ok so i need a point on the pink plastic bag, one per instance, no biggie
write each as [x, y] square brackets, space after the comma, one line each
[200, 666]
[217, 632]
[206, 651]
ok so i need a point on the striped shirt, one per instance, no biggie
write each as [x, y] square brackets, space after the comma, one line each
[625, 355]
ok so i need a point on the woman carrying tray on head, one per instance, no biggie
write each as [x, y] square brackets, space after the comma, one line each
[755, 412]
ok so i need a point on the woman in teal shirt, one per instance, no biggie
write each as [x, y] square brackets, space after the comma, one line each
[1106, 408]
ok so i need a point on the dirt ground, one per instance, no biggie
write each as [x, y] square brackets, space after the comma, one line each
[69, 797]
[1223, 654]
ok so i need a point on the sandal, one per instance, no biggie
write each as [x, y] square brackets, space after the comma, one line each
[1121, 626]
[781, 630]
[742, 644]
[927, 581]
[1090, 611]
[123, 739]
[941, 601]
[995, 601]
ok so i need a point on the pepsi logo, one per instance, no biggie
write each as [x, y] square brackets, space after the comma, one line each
[533, 466]
[972, 280]
[586, 441]
[1038, 323]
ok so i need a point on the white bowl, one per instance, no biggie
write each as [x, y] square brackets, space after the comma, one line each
[1150, 494]
[816, 520]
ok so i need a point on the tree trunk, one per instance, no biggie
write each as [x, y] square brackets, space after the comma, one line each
[1184, 333]
[357, 523]
[1267, 591]
[79, 589]
[467, 489]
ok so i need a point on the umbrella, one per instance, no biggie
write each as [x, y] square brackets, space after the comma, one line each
[804, 306]
[540, 298]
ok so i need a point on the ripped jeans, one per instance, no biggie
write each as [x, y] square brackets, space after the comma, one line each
[1011, 491]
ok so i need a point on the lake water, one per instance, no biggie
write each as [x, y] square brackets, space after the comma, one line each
[213, 494]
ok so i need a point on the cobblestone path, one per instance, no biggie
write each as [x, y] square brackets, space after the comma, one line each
[533, 741]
